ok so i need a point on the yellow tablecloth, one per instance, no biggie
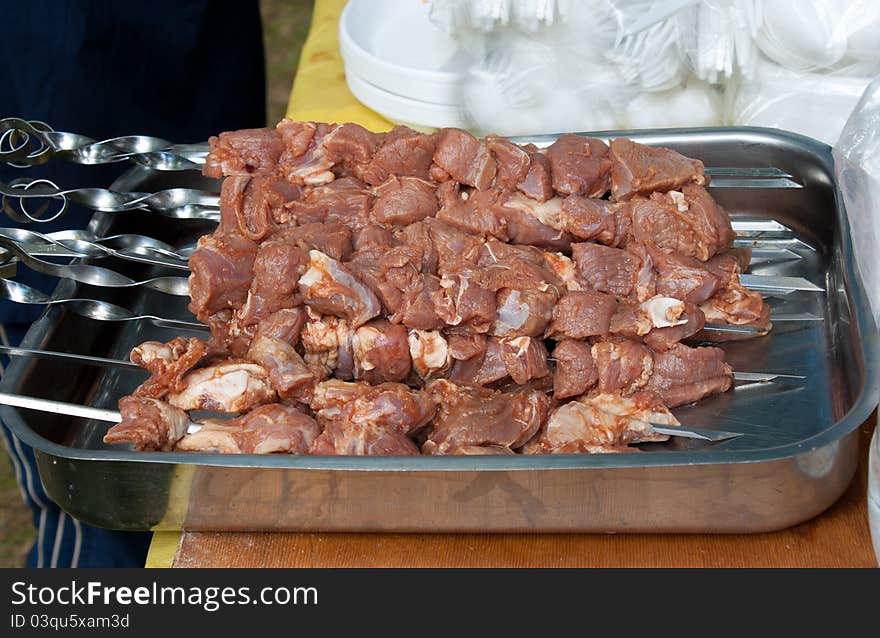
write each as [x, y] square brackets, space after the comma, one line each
[319, 94]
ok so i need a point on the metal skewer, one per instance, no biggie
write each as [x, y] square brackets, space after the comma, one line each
[112, 416]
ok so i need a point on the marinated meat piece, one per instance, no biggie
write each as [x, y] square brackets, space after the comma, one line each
[682, 277]
[230, 386]
[624, 365]
[601, 423]
[150, 425]
[167, 364]
[350, 147]
[512, 162]
[342, 202]
[661, 339]
[690, 223]
[222, 270]
[403, 200]
[430, 353]
[564, 270]
[683, 375]
[243, 152]
[268, 429]
[327, 342]
[502, 265]
[415, 245]
[273, 347]
[391, 406]
[736, 304]
[523, 228]
[575, 370]
[582, 314]
[466, 346]
[473, 211]
[228, 335]
[634, 320]
[381, 352]
[454, 247]
[471, 417]
[538, 182]
[597, 220]
[277, 268]
[305, 161]
[418, 308]
[462, 303]
[355, 439]
[524, 358]
[522, 312]
[466, 159]
[640, 169]
[579, 165]
[248, 205]
[404, 153]
[485, 368]
[329, 287]
[334, 240]
[622, 272]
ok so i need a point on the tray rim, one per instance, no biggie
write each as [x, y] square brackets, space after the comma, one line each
[859, 411]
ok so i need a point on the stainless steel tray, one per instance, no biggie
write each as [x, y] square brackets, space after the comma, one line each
[798, 454]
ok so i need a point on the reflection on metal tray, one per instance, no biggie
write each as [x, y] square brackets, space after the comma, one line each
[797, 455]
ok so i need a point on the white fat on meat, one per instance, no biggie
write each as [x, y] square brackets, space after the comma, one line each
[429, 352]
[151, 351]
[664, 312]
[606, 420]
[679, 201]
[328, 343]
[511, 315]
[564, 269]
[226, 387]
[548, 213]
[363, 341]
[326, 276]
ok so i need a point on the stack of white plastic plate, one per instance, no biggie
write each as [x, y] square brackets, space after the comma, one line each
[398, 63]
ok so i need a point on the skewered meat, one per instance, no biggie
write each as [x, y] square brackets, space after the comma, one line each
[244, 152]
[465, 158]
[403, 200]
[601, 423]
[538, 182]
[639, 169]
[581, 314]
[167, 364]
[624, 365]
[441, 259]
[274, 348]
[430, 353]
[575, 370]
[403, 153]
[230, 386]
[268, 429]
[329, 287]
[148, 424]
[360, 419]
[683, 375]
[327, 342]
[496, 421]
[222, 270]
[381, 352]
[622, 272]
[687, 221]
[579, 165]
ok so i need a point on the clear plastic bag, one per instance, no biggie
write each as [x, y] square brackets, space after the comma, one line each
[857, 165]
[546, 66]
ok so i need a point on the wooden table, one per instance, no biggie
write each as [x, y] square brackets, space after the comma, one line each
[837, 538]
